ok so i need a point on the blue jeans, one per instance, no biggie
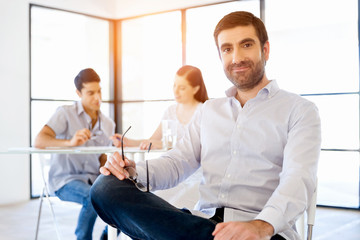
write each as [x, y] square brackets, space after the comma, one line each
[143, 215]
[79, 192]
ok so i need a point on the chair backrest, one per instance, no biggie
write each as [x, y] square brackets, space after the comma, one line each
[45, 160]
[310, 219]
[311, 214]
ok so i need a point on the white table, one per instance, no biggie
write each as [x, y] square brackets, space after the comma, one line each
[131, 153]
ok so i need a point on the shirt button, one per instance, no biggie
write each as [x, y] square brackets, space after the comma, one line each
[234, 152]
[222, 196]
[228, 176]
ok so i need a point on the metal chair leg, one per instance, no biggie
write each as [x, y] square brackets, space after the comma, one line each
[39, 214]
[311, 212]
[52, 213]
[309, 232]
[47, 196]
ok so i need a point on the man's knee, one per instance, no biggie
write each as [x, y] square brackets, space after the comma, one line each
[108, 189]
[101, 188]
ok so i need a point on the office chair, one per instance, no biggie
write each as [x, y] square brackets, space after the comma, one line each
[310, 212]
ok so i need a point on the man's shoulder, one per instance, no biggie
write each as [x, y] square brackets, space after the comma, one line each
[294, 100]
[67, 107]
[216, 104]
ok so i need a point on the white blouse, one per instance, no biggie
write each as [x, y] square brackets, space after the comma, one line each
[170, 114]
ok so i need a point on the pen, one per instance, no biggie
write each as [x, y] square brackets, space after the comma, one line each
[149, 147]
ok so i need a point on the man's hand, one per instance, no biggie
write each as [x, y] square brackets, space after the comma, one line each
[80, 137]
[253, 230]
[116, 166]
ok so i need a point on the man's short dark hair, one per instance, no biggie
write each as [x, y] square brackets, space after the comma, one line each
[85, 76]
[241, 18]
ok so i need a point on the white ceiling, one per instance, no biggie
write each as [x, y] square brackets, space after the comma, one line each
[126, 8]
[117, 9]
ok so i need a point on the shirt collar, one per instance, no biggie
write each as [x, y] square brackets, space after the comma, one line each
[270, 90]
[80, 110]
[79, 107]
[231, 92]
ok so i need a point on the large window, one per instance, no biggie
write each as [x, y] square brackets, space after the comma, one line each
[63, 43]
[314, 52]
[151, 55]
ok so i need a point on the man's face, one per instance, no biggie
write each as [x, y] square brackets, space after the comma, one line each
[90, 96]
[242, 56]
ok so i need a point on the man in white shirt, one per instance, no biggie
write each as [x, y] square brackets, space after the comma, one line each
[258, 148]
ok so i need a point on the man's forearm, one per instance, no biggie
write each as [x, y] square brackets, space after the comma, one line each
[43, 141]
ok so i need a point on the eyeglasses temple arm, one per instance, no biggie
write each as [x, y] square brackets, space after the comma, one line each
[122, 143]
[147, 171]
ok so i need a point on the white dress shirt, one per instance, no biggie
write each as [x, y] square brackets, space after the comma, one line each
[259, 161]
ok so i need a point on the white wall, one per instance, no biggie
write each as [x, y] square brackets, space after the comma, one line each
[14, 99]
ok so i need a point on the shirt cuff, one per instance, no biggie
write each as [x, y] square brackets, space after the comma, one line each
[273, 217]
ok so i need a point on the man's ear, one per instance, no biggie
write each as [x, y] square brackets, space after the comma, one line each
[78, 93]
[266, 50]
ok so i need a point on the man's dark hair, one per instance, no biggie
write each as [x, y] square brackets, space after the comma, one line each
[241, 18]
[85, 76]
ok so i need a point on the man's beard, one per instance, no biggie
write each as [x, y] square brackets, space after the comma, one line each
[246, 80]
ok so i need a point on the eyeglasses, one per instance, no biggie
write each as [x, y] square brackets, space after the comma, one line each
[132, 171]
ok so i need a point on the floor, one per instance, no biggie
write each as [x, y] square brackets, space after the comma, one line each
[18, 222]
